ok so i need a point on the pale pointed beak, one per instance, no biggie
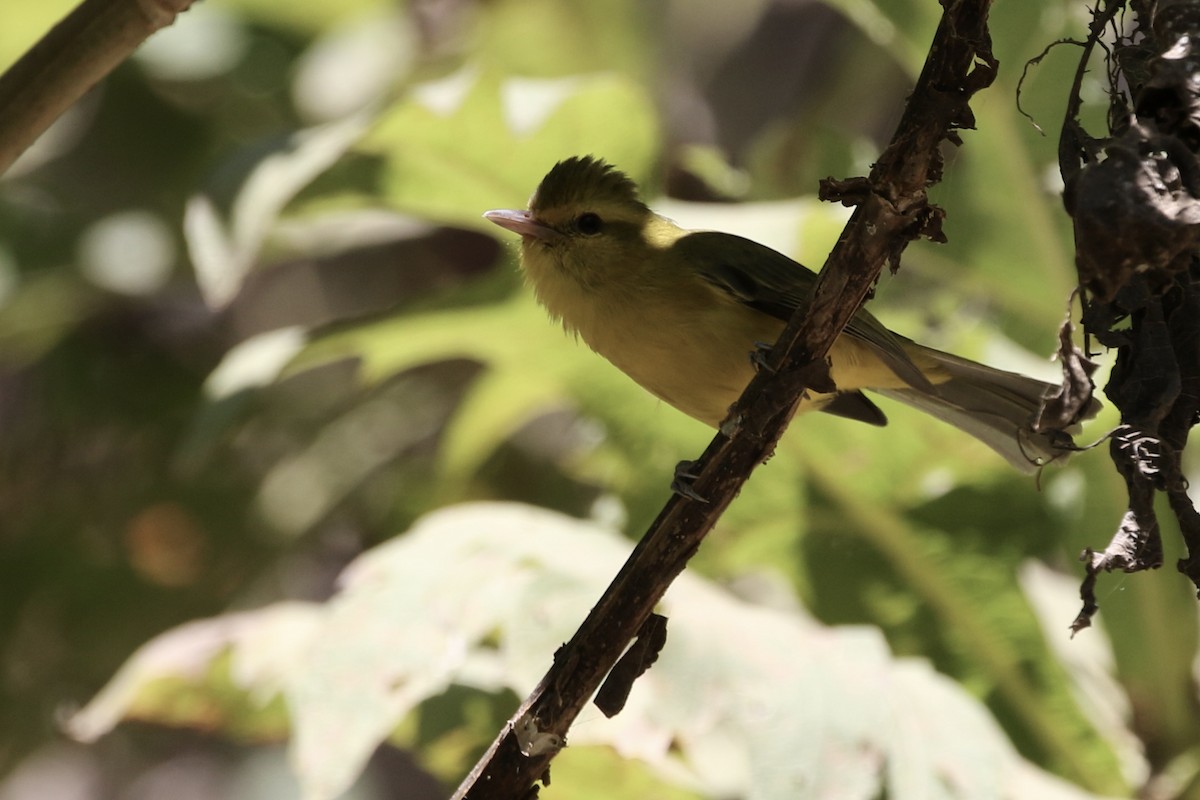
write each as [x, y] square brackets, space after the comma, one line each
[522, 222]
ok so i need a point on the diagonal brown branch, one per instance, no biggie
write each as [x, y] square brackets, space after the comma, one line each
[76, 54]
[892, 210]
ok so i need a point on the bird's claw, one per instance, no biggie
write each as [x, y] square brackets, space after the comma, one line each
[682, 482]
[759, 356]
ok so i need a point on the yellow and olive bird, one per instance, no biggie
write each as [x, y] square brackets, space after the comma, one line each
[681, 311]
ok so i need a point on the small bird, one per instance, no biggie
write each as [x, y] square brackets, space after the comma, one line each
[681, 312]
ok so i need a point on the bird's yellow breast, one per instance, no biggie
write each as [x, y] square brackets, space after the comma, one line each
[692, 352]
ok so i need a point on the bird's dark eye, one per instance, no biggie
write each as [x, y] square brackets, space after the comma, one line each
[589, 224]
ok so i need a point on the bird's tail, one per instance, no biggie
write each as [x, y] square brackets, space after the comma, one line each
[996, 407]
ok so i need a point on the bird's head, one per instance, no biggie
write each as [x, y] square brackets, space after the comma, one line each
[585, 219]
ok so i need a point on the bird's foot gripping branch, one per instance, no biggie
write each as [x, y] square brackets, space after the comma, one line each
[1135, 201]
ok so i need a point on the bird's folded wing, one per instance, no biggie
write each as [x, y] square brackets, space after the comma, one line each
[774, 284]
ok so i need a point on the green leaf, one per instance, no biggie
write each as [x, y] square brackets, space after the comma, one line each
[950, 591]
[307, 17]
[902, 28]
[224, 255]
[25, 23]
[501, 337]
[1088, 663]
[474, 141]
[550, 38]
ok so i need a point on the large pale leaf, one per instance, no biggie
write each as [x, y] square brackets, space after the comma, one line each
[745, 700]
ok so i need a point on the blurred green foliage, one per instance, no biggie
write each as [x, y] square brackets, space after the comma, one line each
[306, 338]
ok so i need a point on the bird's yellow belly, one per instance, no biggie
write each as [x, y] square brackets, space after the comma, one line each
[688, 360]
[696, 372]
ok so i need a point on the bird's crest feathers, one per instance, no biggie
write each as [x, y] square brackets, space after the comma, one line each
[584, 179]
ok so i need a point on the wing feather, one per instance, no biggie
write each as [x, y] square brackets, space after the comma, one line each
[774, 284]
